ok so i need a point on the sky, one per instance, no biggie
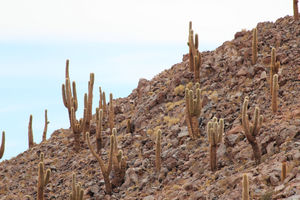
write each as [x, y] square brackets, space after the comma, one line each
[120, 41]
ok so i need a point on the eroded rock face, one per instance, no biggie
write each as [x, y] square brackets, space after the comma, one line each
[226, 77]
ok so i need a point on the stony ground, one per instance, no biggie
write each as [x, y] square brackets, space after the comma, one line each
[227, 76]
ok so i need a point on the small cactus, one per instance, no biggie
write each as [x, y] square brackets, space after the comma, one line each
[45, 127]
[77, 191]
[2, 148]
[158, 151]
[283, 171]
[215, 131]
[30, 133]
[254, 46]
[252, 130]
[43, 178]
[245, 184]
[274, 68]
[193, 109]
[296, 12]
[275, 88]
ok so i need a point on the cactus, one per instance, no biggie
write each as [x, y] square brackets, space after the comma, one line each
[30, 133]
[102, 101]
[77, 191]
[69, 100]
[158, 151]
[252, 130]
[77, 127]
[254, 46]
[195, 60]
[105, 169]
[274, 68]
[111, 114]
[296, 12]
[2, 148]
[43, 178]
[245, 184]
[275, 88]
[45, 127]
[119, 162]
[283, 171]
[215, 131]
[99, 119]
[88, 105]
[193, 109]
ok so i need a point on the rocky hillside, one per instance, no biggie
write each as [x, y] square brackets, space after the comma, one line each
[226, 78]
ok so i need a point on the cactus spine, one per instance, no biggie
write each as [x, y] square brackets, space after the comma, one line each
[30, 133]
[283, 171]
[254, 46]
[105, 169]
[43, 178]
[296, 12]
[2, 148]
[193, 109]
[252, 130]
[275, 89]
[245, 183]
[215, 132]
[45, 127]
[77, 191]
[158, 152]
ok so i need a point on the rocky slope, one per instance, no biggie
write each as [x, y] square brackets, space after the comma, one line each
[226, 77]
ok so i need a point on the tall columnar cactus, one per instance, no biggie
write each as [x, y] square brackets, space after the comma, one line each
[2, 148]
[99, 119]
[69, 96]
[245, 184]
[111, 114]
[105, 169]
[43, 178]
[45, 127]
[158, 152]
[215, 131]
[252, 130]
[274, 68]
[89, 104]
[77, 127]
[195, 60]
[254, 46]
[77, 191]
[128, 127]
[30, 133]
[119, 162]
[275, 88]
[283, 171]
[193, 109]
[102, 101]
[296, 12]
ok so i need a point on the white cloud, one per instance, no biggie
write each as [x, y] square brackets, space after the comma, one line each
[133, 20]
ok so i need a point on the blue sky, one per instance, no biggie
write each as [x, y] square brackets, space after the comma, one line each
[120, 41]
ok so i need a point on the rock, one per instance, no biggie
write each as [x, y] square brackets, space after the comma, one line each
[171, 163]
[151, 197]
[263, 75]
[273, 180]
[184, 132]
[242, 72]
[188, 186]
